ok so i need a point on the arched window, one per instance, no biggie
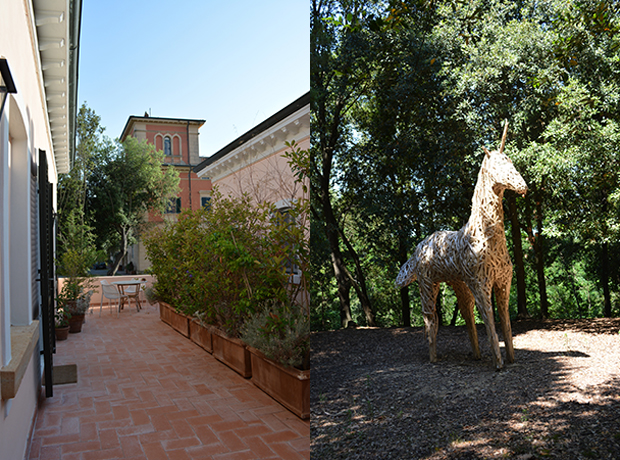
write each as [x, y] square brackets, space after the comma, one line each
[167, 146]
[176, 146]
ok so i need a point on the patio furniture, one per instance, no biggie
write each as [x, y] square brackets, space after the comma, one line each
[133, 292]
[129, 288]
[111, 292]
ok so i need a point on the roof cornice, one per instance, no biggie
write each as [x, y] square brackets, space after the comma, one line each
[261, 141]
[159, 120]
[259, 129]
[58, 24]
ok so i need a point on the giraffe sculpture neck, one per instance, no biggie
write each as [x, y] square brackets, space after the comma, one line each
[486, 221]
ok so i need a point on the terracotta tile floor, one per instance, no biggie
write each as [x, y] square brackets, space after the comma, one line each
[146, 392]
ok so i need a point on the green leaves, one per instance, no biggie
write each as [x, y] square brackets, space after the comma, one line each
[224, 263]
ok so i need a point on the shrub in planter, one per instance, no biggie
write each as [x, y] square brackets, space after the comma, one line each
[77, 309]
[225, 262]
[278, 340]
[282, 333]
[76, 306]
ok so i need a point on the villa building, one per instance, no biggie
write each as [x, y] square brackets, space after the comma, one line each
[39, 44]
[178, 139]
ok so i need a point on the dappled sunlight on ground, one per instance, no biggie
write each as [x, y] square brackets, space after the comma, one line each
[375, 394]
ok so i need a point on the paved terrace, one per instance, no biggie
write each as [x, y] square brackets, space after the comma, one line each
[146, 392]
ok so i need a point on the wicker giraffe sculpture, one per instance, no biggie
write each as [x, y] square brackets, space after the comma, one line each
[473, 260]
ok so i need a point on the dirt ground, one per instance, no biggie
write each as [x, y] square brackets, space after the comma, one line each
[375, 394]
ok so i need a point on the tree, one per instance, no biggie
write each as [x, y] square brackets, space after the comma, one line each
[73, 186]
[128, 183]
[405, 94]
[586, 132]
[339, 71]
[405, 177]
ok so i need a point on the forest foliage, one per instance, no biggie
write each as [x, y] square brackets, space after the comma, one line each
[404, 96]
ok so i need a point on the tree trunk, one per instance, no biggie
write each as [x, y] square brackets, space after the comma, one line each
[405, 302]
[122, 252]
[522, 312]
[343, 282]
[360, 284]
[334, 234]
[455, 314]
[540, 262]
[605, 278]
[536, 241]
[344, 289]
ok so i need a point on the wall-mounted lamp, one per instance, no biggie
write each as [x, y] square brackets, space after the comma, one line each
[6, 83]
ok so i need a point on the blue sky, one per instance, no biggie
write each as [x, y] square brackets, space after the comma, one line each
[232, 63]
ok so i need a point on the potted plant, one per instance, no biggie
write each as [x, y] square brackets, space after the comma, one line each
[61, 323]
[75, 301]
[278, 339]
[77, 257]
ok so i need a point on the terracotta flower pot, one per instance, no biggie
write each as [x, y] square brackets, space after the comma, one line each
[62, 332]
[289, 386]
[75, 323]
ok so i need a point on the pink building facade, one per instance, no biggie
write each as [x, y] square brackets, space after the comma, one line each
[254, 162]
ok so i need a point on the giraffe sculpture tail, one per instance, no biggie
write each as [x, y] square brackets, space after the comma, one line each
[407, 274]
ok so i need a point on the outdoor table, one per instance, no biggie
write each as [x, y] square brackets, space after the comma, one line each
[122, 284]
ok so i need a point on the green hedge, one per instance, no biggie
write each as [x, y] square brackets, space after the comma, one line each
[226, 263]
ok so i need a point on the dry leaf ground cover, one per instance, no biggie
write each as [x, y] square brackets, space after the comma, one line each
[375, 395]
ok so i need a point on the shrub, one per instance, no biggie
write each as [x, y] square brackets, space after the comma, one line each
[224, 263]
[75, 261]
[281, 333]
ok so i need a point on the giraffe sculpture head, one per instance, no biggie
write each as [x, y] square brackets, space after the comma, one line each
[501, 170]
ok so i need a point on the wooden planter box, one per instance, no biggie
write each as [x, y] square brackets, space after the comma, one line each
[200, 335]
[178, 321]
[290, 387]
[231, 352]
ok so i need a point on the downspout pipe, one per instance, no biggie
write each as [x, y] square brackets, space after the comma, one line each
[189, 171]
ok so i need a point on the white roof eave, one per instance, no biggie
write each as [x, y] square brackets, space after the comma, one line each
[52, 23]
[258, 147]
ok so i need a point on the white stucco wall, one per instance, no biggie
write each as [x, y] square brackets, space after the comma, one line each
[24, 129]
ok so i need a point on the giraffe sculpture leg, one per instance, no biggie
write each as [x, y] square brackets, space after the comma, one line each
[428, 295]
[482, 296]
[502, 295]
[465, 301]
